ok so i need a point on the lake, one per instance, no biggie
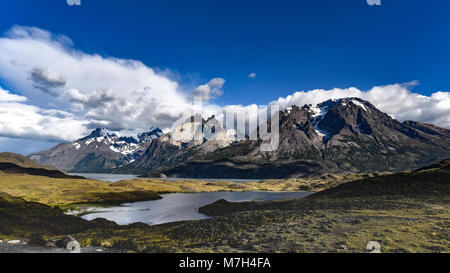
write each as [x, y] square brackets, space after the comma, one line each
[108, 177]
[175, 206]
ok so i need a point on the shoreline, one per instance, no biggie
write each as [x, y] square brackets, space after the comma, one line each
[68, 193]
[405, 212]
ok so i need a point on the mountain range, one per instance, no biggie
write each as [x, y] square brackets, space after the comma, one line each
[343, 135]
[101, 151]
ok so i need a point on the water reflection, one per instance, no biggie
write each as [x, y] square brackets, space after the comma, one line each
[177, 206]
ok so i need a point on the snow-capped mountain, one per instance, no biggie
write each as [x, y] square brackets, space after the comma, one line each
[100, 151]
[343, 135]
[183, 142]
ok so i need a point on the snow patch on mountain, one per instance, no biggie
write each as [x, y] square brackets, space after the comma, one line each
[319, 112]
[357, 103]
[129, 146]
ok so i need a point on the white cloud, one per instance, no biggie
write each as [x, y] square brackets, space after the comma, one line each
[27, 121]
[64, 92]
[46, 80]
[210, 90]
[104, 91]
[57, 62]
[6, 96]
[252, 75]
[395, 99]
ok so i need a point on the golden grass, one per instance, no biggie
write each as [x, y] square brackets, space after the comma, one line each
[64, 192]
[56, 191]
[191, 185]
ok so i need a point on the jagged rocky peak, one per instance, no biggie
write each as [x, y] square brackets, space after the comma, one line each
[150, 135]
[195, 130]
[100, 133]
[129, 146]
[190, 131]
[330, 117]
[101, 150]
[354, 115]
[347, 134]
[323, 107]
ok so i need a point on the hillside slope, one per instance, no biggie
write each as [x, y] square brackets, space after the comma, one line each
[19, 160]
[430, 184]
[10, 168]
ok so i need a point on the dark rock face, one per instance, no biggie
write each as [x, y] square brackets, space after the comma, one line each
[149, 136]
[339, 135]
[159, 153]
[100, 151]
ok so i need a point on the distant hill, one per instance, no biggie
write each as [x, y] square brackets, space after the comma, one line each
[20, 160]
[11, 163]
[11, 168]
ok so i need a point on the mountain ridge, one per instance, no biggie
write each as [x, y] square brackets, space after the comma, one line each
[100, 151]
[344, 135]
[340, 135]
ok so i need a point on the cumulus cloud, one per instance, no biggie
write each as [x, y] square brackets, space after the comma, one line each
[210, 90]
[83, 91]
[104, 91]
[6, 96]
[46, 79]
[252, 75]
[18, 119]
[59, 67]
[395, 99]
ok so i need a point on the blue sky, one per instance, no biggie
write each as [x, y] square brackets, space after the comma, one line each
[290, 45]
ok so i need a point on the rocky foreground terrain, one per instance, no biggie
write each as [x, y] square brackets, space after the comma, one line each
[404, 212]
